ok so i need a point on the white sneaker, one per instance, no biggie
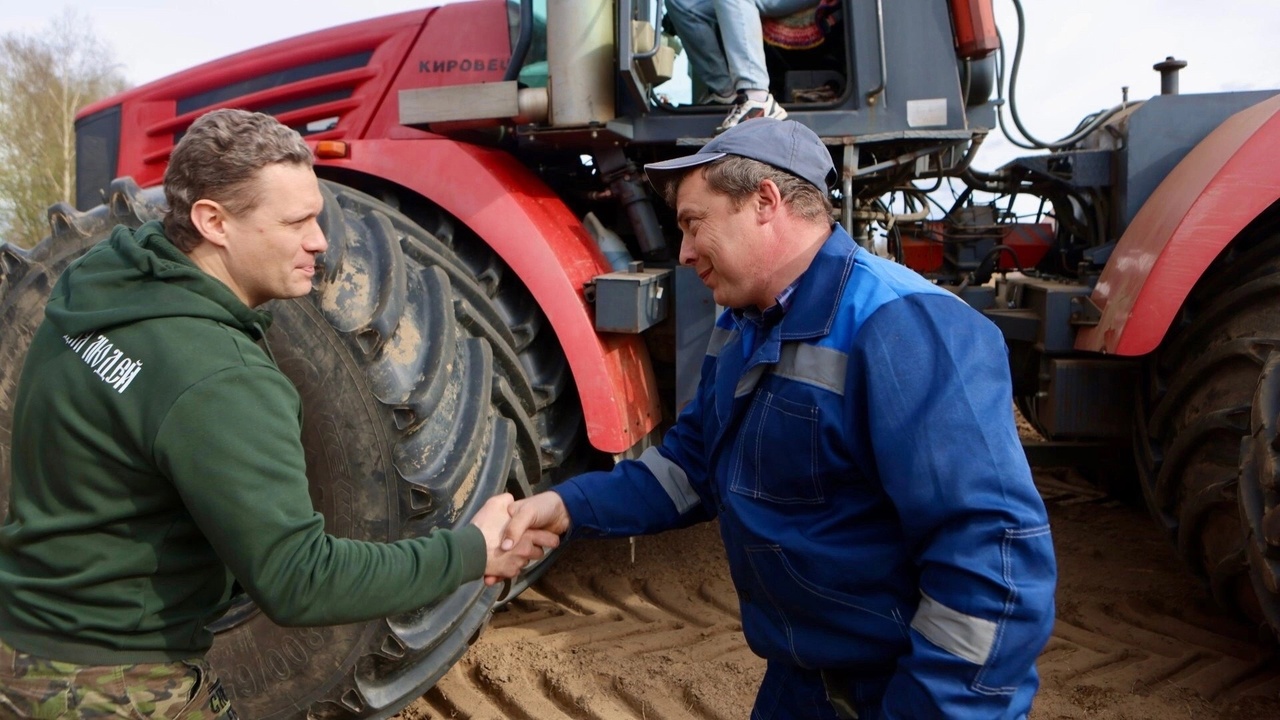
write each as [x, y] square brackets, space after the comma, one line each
[711, 97]
[747, 109]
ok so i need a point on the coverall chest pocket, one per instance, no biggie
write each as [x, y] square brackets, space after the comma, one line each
[776, 452]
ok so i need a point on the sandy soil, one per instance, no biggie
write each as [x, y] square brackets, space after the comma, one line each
[619, 630]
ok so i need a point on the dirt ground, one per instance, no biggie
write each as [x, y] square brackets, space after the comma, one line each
[650, 630]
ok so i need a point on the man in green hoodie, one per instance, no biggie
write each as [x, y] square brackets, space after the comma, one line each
[158, 458]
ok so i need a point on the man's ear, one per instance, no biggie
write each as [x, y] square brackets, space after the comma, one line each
[210, 220]
[768, 200]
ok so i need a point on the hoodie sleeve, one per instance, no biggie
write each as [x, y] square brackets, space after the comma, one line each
[232, 446]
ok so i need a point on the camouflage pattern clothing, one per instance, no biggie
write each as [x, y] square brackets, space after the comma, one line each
[32, 687]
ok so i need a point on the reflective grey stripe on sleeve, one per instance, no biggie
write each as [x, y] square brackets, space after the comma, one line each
[813, 365]
[719, 336]
[672, 479]
[964, 636]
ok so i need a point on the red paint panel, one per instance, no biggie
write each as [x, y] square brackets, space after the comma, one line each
[461, 44]
[922, 254]
[1030, 242]
[149, 117]
[923, 249]
[1220, 187]
[547, 246]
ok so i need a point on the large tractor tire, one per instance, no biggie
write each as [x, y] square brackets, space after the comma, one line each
[429, 382]
[1195, 408]
[1260, 492]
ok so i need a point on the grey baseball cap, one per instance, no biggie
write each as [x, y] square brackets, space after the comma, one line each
[784, 144]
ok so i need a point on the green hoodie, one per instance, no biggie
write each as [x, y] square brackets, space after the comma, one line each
[157, 457]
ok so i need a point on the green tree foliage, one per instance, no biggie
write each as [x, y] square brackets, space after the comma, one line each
[45, 79]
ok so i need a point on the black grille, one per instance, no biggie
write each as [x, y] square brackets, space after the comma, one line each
[222, 94]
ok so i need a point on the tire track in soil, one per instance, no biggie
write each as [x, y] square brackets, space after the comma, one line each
[603, 638]
[600, 638]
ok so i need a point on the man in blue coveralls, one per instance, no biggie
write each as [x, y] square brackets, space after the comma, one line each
[853, 432]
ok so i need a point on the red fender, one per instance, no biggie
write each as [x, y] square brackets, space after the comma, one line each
[529, 227]
[1205, 202]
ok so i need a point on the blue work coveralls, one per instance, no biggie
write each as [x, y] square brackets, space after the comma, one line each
[876, 507]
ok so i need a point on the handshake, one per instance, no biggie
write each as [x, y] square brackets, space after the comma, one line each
[518, 532]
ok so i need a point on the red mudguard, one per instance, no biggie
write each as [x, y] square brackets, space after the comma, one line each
[1210, 197]
[548, 248]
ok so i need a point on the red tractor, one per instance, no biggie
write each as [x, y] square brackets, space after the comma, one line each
[500, 306]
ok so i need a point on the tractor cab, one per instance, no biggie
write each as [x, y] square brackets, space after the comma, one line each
[898, 89]
[875, 71]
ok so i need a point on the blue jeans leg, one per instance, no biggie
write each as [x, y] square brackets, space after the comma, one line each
[743, 43]
[741, 65]
[695, 22]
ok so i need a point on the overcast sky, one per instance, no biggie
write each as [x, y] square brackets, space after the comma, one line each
[1078, 53]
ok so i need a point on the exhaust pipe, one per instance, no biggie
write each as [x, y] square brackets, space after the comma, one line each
[1168, 69]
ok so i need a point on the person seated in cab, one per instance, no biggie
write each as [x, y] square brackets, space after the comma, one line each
[725, 41]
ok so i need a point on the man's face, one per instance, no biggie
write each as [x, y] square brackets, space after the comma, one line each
[271, 249]
[728, 247]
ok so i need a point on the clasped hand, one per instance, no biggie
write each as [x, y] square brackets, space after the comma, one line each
[507, 562]
[517, 532]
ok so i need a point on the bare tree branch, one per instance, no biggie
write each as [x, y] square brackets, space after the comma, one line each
[44, 80]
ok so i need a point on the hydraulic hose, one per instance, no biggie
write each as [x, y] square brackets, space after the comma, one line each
[1035, 143]
[523, 42]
